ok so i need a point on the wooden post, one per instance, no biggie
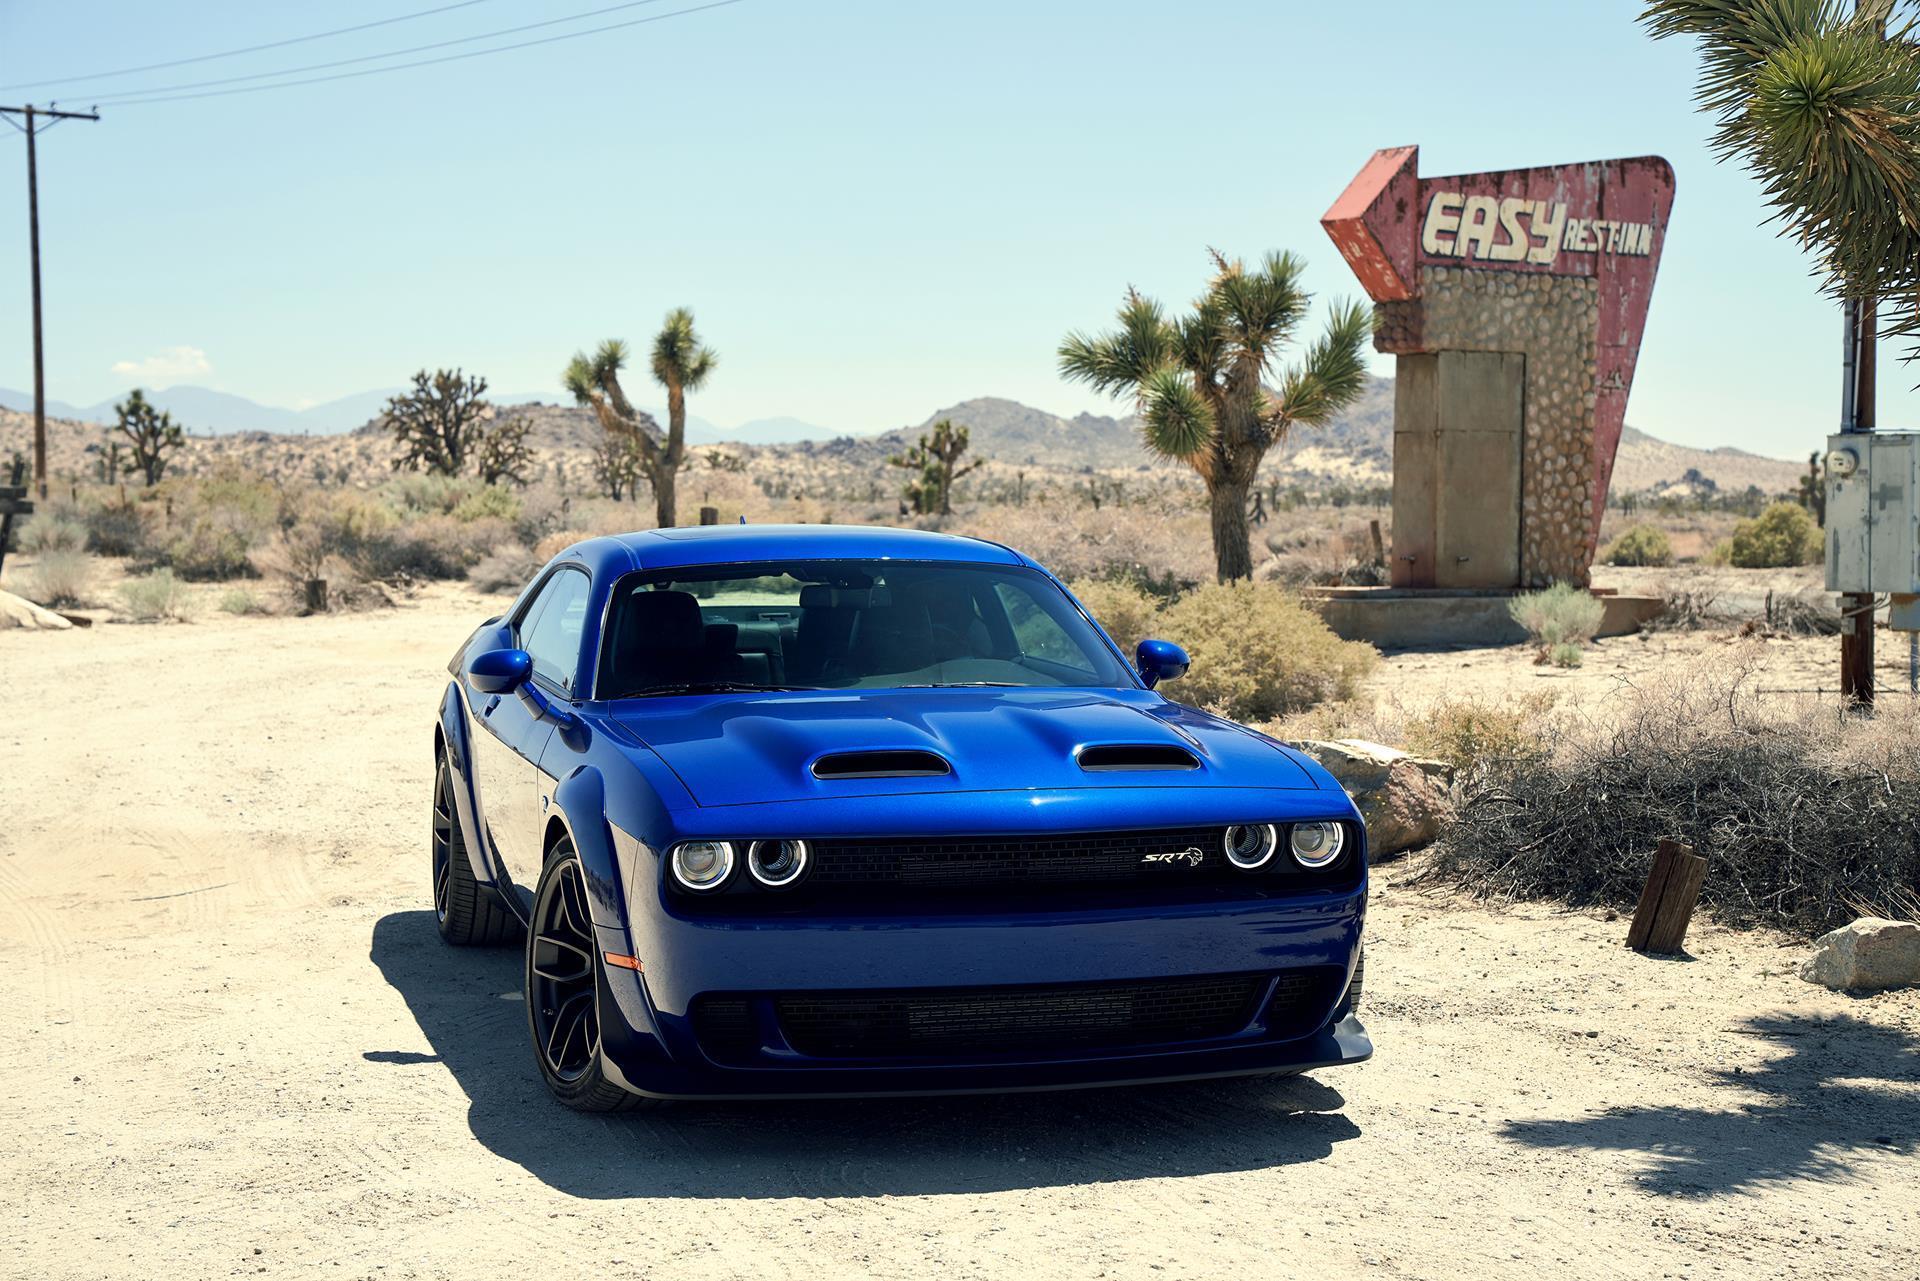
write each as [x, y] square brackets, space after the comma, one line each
[709, 515]
[1667, 903]
[316, 596]
[13, 502]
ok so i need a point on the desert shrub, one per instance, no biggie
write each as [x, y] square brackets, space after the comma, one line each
[211, 548]
[1258, 653]
[61, 577]
[1805, 815]
[1127, 613]
[428, 494]
[241, 600]
[555, 543]
[430, 547]
[1783, 535]
[1720, 554]
[504, 569]
[153, 597]
[1640, 545]
[117, 529]
[53, 534]
[1561, 616]
[1475, 735]
[1118, 540]
[494, 502]
[217, 523]
[1565, 654]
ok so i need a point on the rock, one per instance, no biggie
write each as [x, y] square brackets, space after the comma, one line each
[1869, 955]
[18, 611]
[1405, 800]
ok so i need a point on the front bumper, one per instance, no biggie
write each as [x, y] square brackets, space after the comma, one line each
[652, 1045]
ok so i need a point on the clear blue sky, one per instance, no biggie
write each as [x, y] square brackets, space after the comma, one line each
[876, 209]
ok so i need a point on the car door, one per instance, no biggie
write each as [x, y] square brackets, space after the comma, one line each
[515, 729]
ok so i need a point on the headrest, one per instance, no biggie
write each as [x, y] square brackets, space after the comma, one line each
[664, 620]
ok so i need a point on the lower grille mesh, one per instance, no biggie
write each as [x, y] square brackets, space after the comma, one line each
[904, 1024]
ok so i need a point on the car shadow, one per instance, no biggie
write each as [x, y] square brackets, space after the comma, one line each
[1841, 1087]
[860, 1147]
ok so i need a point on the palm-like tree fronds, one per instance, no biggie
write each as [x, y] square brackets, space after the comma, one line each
[680, 359]
[1119, 361]
[1332, 375]
[1175, 418]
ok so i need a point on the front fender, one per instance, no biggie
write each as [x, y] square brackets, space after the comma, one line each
[466, 797]
[581, 803]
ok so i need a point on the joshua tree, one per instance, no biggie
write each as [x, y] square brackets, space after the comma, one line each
[1824, 109]
[1199, 380]
[680, 363]
[616, 466]
[154, 434]
[502, 452]
[934, 459]
[438, 422]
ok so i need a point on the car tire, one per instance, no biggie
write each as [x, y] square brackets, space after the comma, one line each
[563, 983]
[467, 912]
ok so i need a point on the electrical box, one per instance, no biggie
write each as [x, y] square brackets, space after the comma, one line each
[1873, 513]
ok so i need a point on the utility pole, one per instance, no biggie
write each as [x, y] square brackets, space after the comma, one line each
[1857, 414]
[32, 114]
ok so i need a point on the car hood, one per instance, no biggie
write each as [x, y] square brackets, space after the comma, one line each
[739, 749]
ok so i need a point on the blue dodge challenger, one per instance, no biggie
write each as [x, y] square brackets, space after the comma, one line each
[838, 811]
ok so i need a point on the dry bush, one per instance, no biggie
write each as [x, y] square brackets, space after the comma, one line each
[242, 601]
[118, 529]
[504, 569]
[1782, 536]
[489, 502]
[1128, 614]
[1560, 620]
[1806, 813]
[1640, 545]
[1143, 542]
[52, 533]
[61, 577]
[1259, 653]
[153, 598]
[216, 523]
[1477, 737]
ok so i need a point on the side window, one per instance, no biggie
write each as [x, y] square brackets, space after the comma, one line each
[551, 632]
[1038, 635]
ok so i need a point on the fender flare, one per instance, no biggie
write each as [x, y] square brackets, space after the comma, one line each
[466, 797]
[580, 803]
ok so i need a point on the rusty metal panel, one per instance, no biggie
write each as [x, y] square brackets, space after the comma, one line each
[1416, 473]
[1477, 520]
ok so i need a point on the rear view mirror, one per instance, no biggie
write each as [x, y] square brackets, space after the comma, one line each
[499, 671]
[1160, 660]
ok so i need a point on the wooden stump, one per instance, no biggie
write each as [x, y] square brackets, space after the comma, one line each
[316, 596]
[709, 515]
[1666, 904]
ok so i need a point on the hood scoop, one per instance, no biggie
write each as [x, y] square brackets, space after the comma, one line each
[881, 764]
[1115, 757]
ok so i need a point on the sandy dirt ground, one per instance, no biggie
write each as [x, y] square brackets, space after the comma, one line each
[235, 1046]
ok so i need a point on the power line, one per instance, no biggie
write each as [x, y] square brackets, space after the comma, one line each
[234, 53]
[127, 95]
[428, 62]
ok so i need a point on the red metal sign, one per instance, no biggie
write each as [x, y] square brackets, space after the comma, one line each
[1602, 219]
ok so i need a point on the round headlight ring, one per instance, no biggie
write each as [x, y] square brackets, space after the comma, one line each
[702, 866]
[1250, 846]
[778, 864]
[1315, 845]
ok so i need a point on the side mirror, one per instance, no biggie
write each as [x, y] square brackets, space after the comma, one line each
[1160, 660]
[499, 671]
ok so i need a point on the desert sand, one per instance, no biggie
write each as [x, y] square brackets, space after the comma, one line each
[235, 1046]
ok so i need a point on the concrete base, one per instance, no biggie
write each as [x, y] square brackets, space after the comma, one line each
[1415, 618]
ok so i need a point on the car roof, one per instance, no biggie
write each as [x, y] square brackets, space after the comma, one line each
[730, 544]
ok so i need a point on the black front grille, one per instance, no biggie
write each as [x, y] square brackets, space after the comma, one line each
[912, 1023]
[1075, 858]
[1300, 1001]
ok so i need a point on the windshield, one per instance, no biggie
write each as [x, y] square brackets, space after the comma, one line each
[846, 624]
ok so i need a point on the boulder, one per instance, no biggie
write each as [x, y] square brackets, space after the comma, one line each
[1869, 955]
[1406, 800]
[18, 611]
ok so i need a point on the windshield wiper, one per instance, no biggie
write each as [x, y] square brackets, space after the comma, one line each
[713, 687]
[966, 685]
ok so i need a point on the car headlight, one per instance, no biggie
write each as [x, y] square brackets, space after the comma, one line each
[1315, 845]
[777, 864]
[1250, 845]
[702, 865]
